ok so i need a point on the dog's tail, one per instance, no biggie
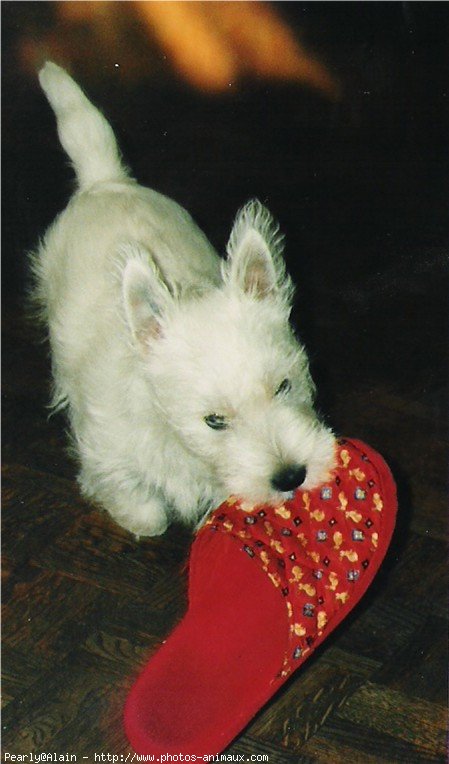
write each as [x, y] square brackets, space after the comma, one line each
[84, 133]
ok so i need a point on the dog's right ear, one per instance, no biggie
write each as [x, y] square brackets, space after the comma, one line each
[255, 264]
[146, 297]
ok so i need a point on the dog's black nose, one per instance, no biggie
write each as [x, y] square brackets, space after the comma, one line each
[288, 478]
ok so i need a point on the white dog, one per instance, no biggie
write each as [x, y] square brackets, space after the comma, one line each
[179, 371]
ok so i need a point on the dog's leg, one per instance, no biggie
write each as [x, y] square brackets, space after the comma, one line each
[145, 518]
[138, 508]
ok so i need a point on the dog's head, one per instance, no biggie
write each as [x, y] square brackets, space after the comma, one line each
[229, 376]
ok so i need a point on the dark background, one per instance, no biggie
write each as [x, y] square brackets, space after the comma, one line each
[359, 185]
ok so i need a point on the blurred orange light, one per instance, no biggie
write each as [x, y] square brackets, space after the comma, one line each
[211, 43]
[196, 48]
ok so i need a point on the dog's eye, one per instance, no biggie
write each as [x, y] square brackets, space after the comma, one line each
[284, 387]
[216, 421]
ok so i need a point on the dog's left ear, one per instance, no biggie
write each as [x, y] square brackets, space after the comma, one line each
[146, 296]
[255, 263]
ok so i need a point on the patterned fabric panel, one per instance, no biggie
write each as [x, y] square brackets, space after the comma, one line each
[314, 547]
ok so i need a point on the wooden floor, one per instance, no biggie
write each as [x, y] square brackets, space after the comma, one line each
[358, 192]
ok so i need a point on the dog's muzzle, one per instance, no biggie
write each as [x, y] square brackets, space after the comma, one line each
[288, 478]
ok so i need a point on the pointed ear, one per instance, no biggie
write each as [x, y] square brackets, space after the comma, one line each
[146, 296]
[255, 264]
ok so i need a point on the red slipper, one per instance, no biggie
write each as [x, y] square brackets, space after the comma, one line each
[267, 585]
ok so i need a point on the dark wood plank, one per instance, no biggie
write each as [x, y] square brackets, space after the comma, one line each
[420, 663]
[417, 722]
[309, 700]
[341, 740]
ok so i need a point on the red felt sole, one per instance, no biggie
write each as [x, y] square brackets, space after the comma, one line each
[217, 668]
[199, 689]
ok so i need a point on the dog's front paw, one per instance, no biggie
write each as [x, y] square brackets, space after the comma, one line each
[146, 519]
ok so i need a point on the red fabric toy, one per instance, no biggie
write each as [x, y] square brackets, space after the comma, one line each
[267, 585]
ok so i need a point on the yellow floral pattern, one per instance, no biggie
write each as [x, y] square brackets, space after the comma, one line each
[315, 547]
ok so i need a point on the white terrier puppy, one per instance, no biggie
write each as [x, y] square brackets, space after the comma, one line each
[181, 376]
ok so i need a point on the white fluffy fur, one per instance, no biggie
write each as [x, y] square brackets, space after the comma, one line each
[151, 332]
